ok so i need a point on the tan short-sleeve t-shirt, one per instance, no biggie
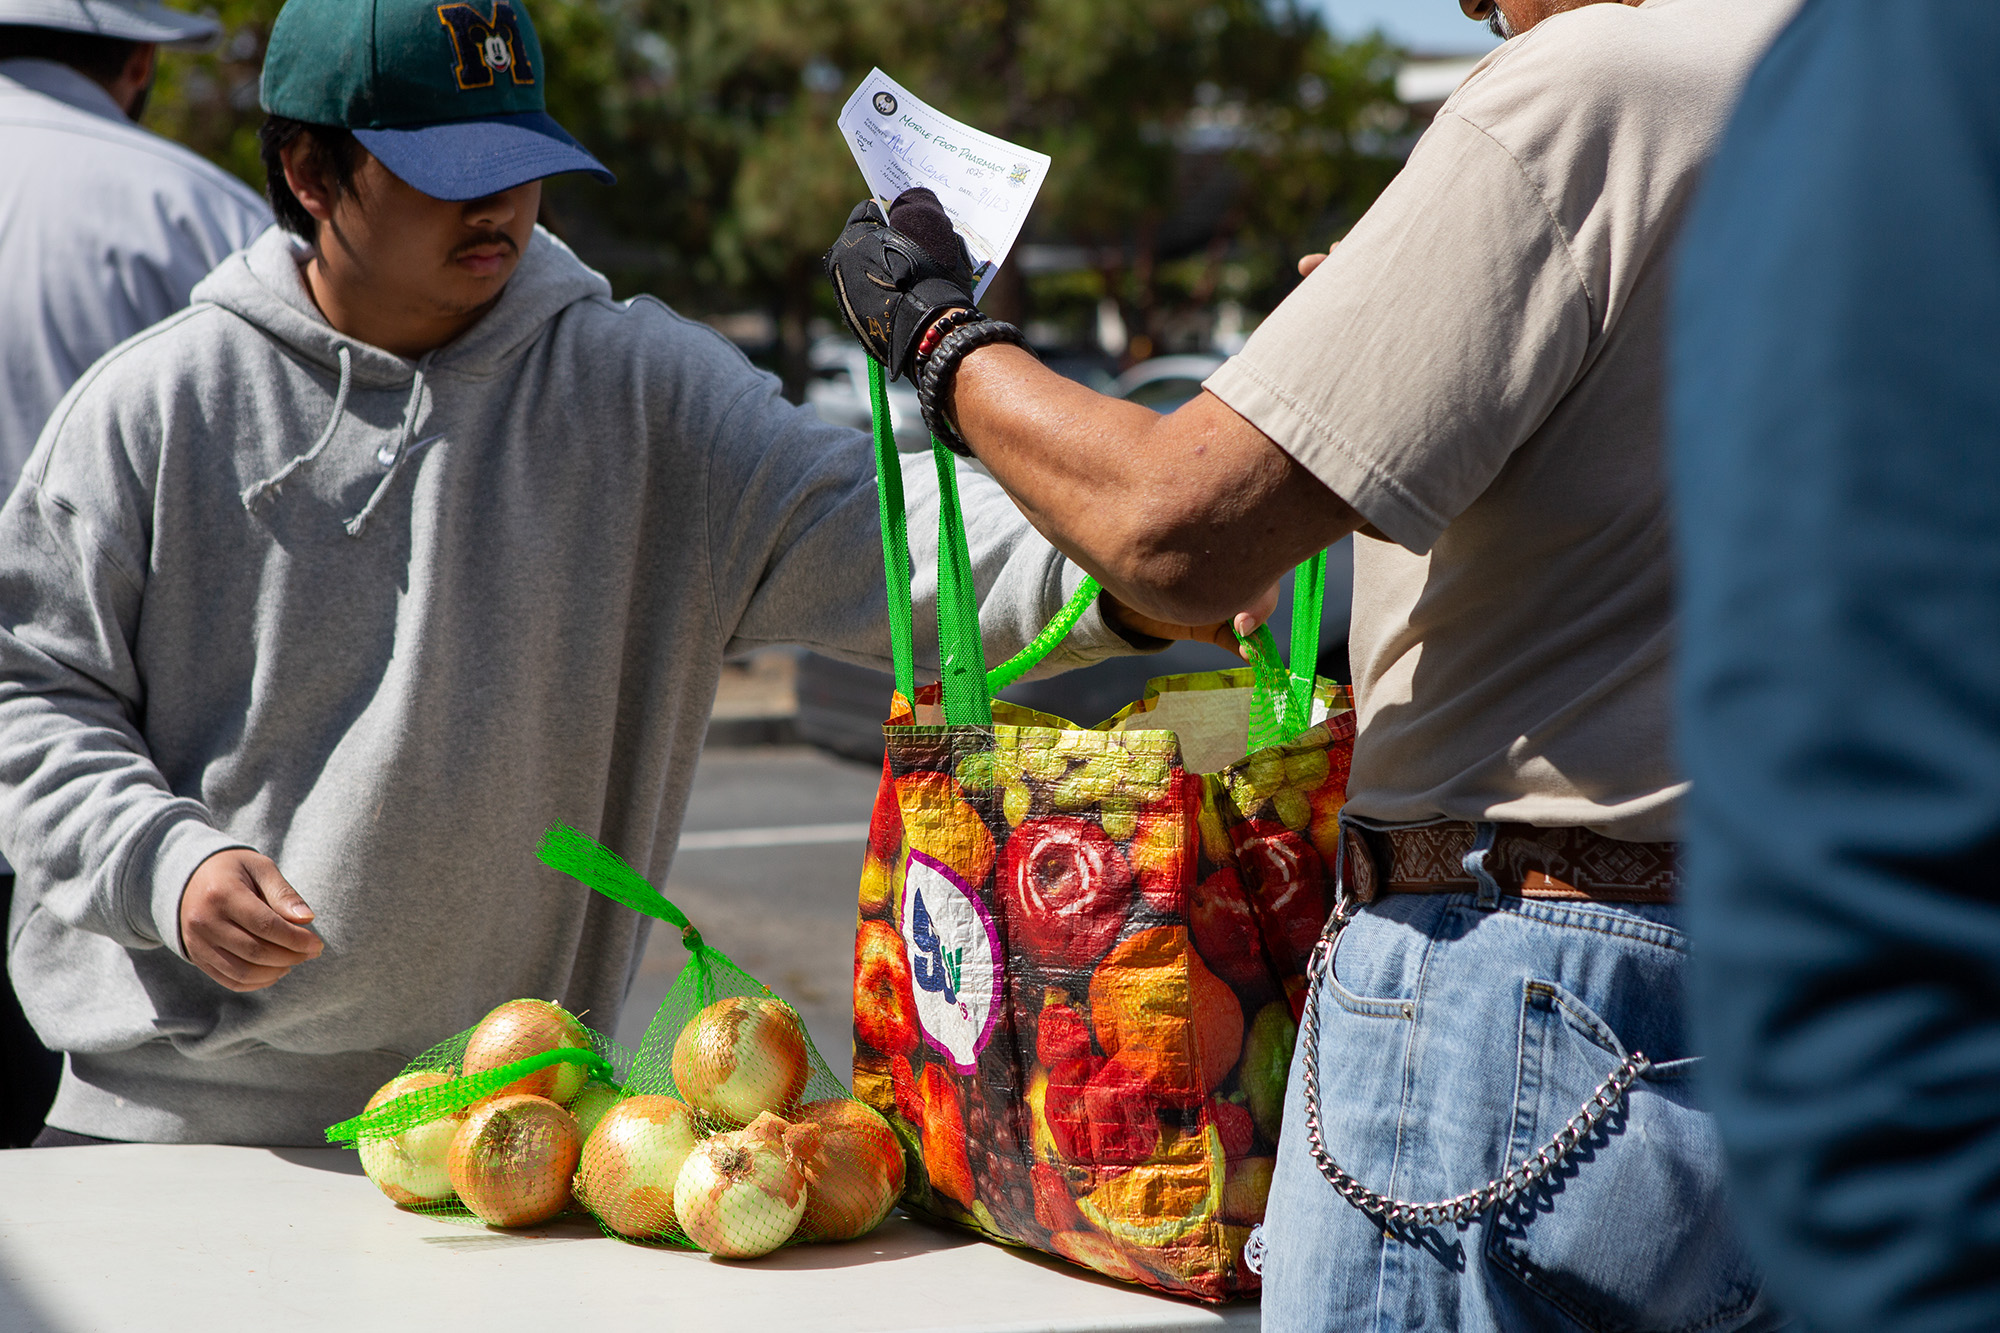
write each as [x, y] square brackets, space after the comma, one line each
[1478, 370]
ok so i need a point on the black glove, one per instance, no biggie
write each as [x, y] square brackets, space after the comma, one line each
[894, 277]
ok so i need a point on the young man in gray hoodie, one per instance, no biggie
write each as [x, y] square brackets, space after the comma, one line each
[328, 595]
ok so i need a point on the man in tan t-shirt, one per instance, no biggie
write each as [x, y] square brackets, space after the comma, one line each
[1473, 381]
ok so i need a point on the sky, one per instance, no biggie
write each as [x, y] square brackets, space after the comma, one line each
[1423, 25]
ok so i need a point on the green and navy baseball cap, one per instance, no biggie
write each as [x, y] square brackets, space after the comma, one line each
[446, 96]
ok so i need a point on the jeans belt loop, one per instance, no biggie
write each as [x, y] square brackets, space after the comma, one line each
[1487, 833]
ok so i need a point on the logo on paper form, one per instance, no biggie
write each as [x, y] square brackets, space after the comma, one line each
[885, 104]
[485, 45]
[954, 956]
[1019, 175]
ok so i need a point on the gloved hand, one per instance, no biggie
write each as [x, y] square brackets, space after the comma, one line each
[893, 277]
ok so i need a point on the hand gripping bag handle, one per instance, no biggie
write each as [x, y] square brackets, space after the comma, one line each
[1281, 707]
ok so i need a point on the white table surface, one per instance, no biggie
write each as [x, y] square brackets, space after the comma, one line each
[174, 1240]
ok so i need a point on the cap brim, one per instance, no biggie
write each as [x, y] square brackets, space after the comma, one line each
[123, 20]
[470, 159]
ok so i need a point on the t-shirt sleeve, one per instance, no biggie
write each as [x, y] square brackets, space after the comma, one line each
[1433, 341]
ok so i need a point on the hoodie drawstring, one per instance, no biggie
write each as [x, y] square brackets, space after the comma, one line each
[395, 463]
[271, 483]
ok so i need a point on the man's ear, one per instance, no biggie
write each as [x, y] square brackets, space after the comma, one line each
[307, 177]
[135, 80]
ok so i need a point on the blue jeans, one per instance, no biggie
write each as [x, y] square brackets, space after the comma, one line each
[1456, 1041]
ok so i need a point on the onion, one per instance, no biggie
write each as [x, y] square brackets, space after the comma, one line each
[857, 1173]
[519, 1029]
[512, 1159]
[590, 1105]
[742, 1194]
[631, 1162]
[410, 1167]
[740, 1058]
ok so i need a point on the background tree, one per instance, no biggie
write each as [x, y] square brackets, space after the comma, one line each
[1199, 145]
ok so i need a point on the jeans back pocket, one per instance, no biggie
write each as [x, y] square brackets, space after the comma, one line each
[1631, 1233]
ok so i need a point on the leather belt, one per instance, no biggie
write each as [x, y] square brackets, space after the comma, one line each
[1568, 864]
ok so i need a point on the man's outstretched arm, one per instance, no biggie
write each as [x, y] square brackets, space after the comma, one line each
[1187, 517]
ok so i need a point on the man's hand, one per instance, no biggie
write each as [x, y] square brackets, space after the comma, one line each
[1308, 263]
[893, 277]
[242, 924]
[1223, 634]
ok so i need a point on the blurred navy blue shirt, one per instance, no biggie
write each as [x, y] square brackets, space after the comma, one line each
[1836, 419]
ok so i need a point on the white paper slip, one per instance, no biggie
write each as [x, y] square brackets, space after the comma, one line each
[986, 184]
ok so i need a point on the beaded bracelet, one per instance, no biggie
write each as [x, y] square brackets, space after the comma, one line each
[934, 381]
[949, 320]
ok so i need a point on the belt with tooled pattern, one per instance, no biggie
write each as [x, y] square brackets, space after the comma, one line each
[1568, 864]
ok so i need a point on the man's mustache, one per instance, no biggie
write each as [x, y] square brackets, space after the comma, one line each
[484, 239]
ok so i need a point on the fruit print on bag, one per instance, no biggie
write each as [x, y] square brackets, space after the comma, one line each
[1067, 886]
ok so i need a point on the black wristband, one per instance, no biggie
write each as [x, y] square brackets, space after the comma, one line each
[941, 367]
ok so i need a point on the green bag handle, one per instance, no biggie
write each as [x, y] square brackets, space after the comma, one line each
[1281, 704]
[564, 849]
[1281, 707]
[601, 869]
[421, 1107]
[895, 533]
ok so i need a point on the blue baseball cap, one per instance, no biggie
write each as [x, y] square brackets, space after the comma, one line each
[447, 96]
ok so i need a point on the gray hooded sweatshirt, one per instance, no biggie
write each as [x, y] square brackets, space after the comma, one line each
[265, 586]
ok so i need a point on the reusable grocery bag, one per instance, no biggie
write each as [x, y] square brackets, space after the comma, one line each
[1081, 951]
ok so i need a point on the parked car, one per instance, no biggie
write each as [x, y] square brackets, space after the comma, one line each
[841, 707]
[1166, 382]
[838, 391]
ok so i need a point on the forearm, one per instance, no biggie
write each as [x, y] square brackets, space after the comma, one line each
[1187, 517]
[98, 838]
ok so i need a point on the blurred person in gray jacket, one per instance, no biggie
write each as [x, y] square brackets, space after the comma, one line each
[104, 230]
[104, 227]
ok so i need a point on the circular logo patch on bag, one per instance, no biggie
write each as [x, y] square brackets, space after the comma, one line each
[954, 961]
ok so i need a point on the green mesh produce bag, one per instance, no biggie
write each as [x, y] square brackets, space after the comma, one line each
[488, 1125]
[726, 1132]
[733, 1135]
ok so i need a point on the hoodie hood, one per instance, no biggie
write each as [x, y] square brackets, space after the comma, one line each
[264, 286]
